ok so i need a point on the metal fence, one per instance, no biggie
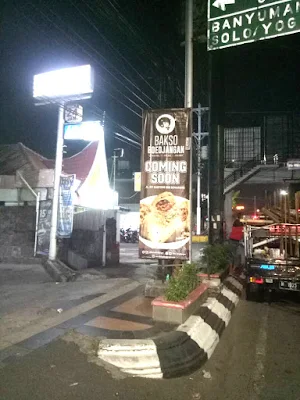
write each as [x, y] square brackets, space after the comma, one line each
[92, 220]
[241, 145]
[279, 136]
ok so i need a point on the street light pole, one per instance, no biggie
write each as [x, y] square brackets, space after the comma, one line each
[57, 174]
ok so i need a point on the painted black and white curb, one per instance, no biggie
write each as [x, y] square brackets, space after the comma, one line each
[179, 352]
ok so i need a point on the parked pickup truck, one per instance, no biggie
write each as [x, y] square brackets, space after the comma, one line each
[272, 259]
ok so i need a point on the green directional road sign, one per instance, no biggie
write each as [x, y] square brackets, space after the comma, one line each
[235, 22]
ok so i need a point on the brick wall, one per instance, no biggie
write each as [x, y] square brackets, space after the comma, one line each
[17, 230]
[88, 243]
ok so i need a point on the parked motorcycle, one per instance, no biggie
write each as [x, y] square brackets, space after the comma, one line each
[134, 238]
[123, 236]
[129, 235]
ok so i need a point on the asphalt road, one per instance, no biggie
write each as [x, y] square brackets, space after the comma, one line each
[258, 358]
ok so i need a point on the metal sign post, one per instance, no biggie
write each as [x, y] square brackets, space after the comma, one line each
[235, 22]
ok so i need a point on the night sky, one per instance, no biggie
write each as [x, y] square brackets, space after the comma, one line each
[136, 50]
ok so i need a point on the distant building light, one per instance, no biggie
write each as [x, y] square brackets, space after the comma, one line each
[137, 181]
[240, 208]
[283, 193]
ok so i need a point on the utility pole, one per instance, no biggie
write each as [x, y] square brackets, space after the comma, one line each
[117, 153]
[189, 54]
[199, 172]
[188, 100]
[216, 148]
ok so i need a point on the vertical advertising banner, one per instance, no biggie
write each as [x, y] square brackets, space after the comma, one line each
[66, 208]
[44, 226]
[165, 183]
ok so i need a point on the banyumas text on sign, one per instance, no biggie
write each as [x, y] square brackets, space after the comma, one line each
[263, 22]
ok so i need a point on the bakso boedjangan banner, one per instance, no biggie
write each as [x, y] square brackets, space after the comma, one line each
[165, 181]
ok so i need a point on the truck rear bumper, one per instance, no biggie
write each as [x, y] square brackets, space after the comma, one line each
[273, 283]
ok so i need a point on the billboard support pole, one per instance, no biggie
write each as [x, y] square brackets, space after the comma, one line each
[188, 100]
[57, 174]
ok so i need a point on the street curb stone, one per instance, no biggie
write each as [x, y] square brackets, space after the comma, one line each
[52, 269]
[179, 352]
[59, 272]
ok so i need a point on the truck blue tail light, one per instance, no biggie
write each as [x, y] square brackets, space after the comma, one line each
[267, 267]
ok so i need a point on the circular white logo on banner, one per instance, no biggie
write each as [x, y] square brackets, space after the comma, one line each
[165, 124]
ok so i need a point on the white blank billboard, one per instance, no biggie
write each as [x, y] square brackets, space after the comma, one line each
[74, 83]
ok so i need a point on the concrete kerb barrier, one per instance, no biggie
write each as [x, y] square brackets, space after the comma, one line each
[134, 357]
[52, 269]
[59, 271]
[179, 352]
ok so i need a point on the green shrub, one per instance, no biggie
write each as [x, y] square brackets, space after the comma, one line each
[182, 283]
[217, 257]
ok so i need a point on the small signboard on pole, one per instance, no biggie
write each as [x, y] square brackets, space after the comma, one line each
[73, 113]
[89, 131]
[44, 225]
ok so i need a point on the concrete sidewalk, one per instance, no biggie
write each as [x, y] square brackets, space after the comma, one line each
[28, 295]
[104, 303]
[109, 303]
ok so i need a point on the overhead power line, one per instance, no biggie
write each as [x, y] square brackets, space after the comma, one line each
[96, 51]
[108, 42]
[92, 58]
[97, 85]
[129, 140]
[125, 139]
